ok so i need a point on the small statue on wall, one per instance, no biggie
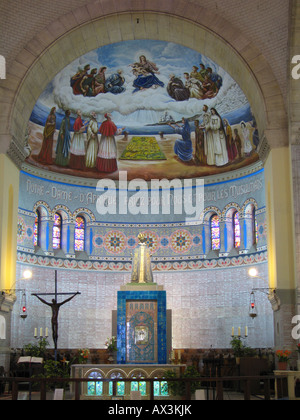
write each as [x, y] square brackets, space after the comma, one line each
[141, 263]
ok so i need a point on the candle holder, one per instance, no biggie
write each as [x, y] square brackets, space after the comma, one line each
[239, 335]
[41, 336]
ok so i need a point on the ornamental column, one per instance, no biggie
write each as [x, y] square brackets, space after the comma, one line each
[9, 193]
[280, 240]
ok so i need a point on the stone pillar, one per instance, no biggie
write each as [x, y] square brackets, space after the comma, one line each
[294, 135]
[9, 191]
[45, 241]
[280, 240]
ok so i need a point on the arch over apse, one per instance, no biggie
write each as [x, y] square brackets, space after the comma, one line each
[100, 23]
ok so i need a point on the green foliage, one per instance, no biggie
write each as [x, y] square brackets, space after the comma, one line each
[54, 369]
[240, 350]
[179, 388]
[36, 350]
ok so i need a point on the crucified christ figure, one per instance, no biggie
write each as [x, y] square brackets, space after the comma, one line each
[55, 308]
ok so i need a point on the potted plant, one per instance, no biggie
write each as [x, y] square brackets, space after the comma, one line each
[83, 355]
[111, 347]
[178, 388]
[283, 358]
[238, 349]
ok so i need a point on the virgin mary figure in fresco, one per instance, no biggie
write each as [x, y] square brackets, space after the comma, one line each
[145, 71]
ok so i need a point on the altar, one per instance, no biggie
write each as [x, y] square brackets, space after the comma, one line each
[143, 329]
[129, 379]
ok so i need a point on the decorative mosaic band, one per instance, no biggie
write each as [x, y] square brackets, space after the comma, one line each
[125, 266]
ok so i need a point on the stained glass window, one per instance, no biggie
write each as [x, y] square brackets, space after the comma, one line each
[120, 390]
[215, 232]
[160, 388]
[79, 233]
[256, 233]
[36, 233]
[254, 228]
[95, 387]
[139, 386]
[57, 231]
[237, 230]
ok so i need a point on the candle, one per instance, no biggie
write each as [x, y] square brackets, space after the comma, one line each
[232, 332]
[179, 355]
[35, 332]
[246, 331]
[46, 332]
[239, 331]
[41, 332]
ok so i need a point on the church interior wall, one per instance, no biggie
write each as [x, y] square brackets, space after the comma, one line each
[204, 306]
[200, 319]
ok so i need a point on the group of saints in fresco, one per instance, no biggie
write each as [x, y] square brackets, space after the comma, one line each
[216, 143]
[200, 83]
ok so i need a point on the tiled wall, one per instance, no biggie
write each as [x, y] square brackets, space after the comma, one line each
[205, 305]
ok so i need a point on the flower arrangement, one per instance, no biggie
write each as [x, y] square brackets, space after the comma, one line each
[111, 344]
[83, 355]
[283, 356]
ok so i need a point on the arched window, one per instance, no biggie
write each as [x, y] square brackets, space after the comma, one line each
[37, 228]
[215, 232]
[254, 227]
[95, 387]
[120, 385]
[57, 229]
[236, 230]
[79, 233]
[160, 388]
[138, 385]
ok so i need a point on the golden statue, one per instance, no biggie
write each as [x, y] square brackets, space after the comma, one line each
[141, 263]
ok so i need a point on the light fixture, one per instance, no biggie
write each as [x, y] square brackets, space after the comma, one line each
[23, 308]
[27, 274]
[252, 306]
[269, 291]
[253, 272]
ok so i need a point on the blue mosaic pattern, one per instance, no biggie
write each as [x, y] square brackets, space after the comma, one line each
[160, 298]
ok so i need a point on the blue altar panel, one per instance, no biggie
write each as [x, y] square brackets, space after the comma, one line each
[125, 339]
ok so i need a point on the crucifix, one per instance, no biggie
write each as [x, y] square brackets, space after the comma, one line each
[55, 309]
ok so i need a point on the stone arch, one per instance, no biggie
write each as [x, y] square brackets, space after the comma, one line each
[86, 213]
[229, 209]
[116, 370]
[88, 372]
[102, 22]
[227, 215]
[44, 209]
[248, 205]
[249, 215]
[157, 373]
[210, 211]
[138, 372]
[63, 210]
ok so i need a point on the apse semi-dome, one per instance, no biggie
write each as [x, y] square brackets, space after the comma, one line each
[175, 112]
